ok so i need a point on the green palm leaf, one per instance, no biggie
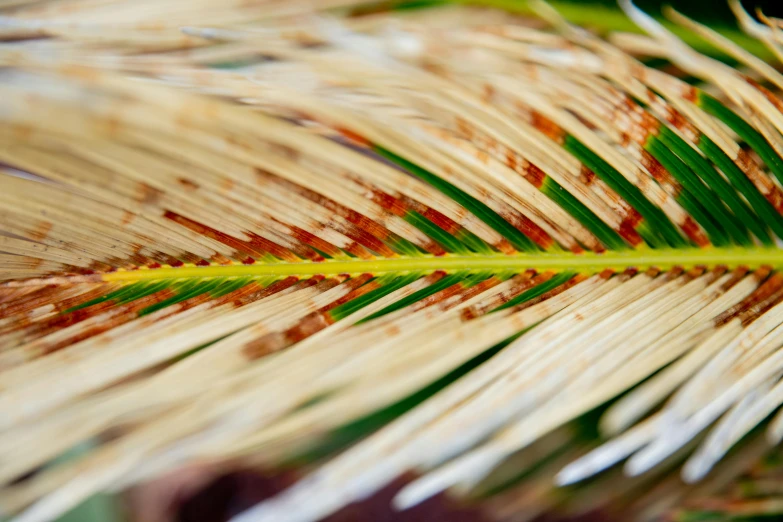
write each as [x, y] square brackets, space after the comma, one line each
[438, 239]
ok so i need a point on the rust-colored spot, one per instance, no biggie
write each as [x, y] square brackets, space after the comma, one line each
[757, 310]
[468, 314]
[528, 228]
[473, 291]
[752, 170]
[478, 309]
[505, 247]
[489, 92]
[736, 276]
[308, 326]
[188, 184]
[256, 292]
[391, 330]
[648, 124]
[629, 272]
[354, 137]
[632, 216]
[259, 242]
[586, 175]
[65, 304]
[227, 184]
[694, 232]
[77, 316]
[678, 121]
[358, 250]
[265, 345]
[434, 248]
[660, 174]
[744, 161]
[511, 159]
[761, 294]
[127, 217]
[18, 301]
[762, 273]
[112, 125]
[520, 283]
[433, 68]
[552, 293]
[775, 198]
[690, 93]
[438, 297]
[535, 175]
[120, 315]
[629, 233]
[276, 341]
[774, 100]
[464, 128]
[236, 297]
[358, 286]
[368, 241]
[148, 195]
[314, 241]
[259, 248]
[364, 224]
[187, 257]
[442, 221]
[547, 127]
[388, 202]
[41, 231]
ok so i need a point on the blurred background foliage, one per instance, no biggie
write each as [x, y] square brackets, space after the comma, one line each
[713, 12]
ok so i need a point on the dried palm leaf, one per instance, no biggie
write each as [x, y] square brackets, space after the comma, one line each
[434, 240]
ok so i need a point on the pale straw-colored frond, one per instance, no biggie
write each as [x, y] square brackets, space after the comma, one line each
[438, 240]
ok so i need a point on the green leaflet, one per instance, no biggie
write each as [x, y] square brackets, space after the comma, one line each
[661, 231]
[584, 215]
[724, 190]
[517, 238]
[745, 131]
[764, 208]
[697, 198]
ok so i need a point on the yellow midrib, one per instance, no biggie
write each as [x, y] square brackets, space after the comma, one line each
[587, 262]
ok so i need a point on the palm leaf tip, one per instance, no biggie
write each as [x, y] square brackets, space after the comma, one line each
[502, 252]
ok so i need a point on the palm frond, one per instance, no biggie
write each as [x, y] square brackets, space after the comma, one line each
[430, 239]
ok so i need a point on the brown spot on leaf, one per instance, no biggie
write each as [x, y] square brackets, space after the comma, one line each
[586, 175]
[187, 184]
[41, 231]
[694, 232]
[660, 174]
[547, 127]
[535, 175]
[769, 288]
[257, 249]
[690, 93]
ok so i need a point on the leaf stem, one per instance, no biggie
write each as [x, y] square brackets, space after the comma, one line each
[586, 262]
